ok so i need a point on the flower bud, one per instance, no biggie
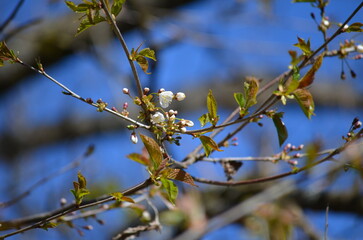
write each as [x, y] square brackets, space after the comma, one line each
[134, 138]
[146, 90]
[125, 106]
[180, 96]
[126, 91]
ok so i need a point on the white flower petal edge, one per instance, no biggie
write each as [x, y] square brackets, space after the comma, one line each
[165, 98]
[158, 117]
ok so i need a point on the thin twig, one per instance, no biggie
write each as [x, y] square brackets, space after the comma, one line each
[265, 159]
[75, 95]
[118, 33]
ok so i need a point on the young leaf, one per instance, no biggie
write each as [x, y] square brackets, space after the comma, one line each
[251, 90]
[308, 78]
[117, 7]
[149, 53]
[6, 54]
[304, 46]
[209, 144]
[305, 100]
[80, 189]
[280, 127]
[86, 23]
[120, 197]
[153, 149]
[81, 180]
[143, 63]
[212, 108]
[170, 188]
[355, 27]
[180, 175]
[139, 158]
[293, 83]
[240, 99]
[204, 119]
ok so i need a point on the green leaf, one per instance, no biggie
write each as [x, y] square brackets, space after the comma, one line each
[308, 78]
[120, 197]
[170, 188]
[212, 108]
[139, 158]
[209, 144]
[81, 180]
[180, 175]
[154, 151]
[6, 54]
[355, 27]
[204, 119]
[147, 52]
[80, 189]
[86, 23]
[304, 46]
[143, 63]
[117, 7]
[240, 99]
[305, 100]
[280, 127]
[251, 90]
[77, 8]
[293, 83]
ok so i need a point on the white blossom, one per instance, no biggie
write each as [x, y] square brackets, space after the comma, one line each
[180, 96]
[134, 138]
[158, 117]
[125, 90]
[189, 123]
[165, 98]
[360, 48]
[183, 129]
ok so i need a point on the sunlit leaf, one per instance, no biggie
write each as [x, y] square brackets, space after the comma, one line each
[81, 180]
[143, 63]
[251, 90]
[212, 108]
[170, 188]
[204, 119]
[120, 197]
[209, 144]
[293, 82]
[308, 78]
[355, 27]
[305, 100]
[240, 99]
[153, 149]
[149, 53]
[280, 127]
[117, 7]
[304, 46]
[139, 158]
[180, 175]
[86, 23]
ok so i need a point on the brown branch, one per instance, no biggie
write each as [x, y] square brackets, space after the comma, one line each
[281, 175]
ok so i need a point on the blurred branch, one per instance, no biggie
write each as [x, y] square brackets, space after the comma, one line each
[12, 15]
[45, 179]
